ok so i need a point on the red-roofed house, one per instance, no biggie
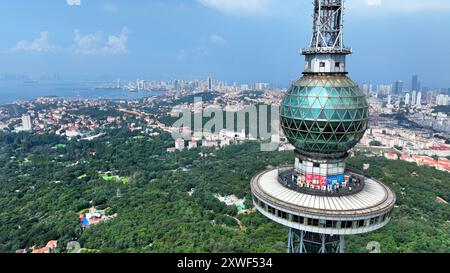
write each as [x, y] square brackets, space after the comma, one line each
[441, 148]
[44, 250]
[428, 161]
[444, 161]
[391, 156]
[407, 158]
[444, 165]
[51, 245]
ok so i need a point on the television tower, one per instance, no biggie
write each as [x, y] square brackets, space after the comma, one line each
[324, 115]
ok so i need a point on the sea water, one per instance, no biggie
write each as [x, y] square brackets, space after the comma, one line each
[13, 91]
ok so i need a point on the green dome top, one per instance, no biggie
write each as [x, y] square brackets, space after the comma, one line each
[324, 114]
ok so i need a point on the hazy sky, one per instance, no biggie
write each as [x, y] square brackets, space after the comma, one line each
[234, 40]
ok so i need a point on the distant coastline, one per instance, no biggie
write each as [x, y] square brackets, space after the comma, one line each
[25, 91]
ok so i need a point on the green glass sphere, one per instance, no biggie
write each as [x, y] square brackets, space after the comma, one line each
[324, 114]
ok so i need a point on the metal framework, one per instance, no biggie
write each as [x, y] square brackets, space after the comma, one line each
[306, 242]
[328, 24]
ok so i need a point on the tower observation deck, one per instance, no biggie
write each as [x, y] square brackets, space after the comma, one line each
[324, 115]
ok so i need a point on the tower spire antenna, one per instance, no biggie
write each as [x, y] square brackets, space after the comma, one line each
[328, 24]
[326, 52]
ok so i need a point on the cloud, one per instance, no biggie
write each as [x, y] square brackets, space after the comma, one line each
[90, 44]
[40, 44]
[202, 49]
[398, 6]
[110, 8]
[294, 7]
[373, 2]
[73, 2]
[86, 44]
[240, 7]
[95, 44]
[217, 40]
[183, 55]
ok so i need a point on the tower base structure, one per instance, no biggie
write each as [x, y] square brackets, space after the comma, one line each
[307, 242]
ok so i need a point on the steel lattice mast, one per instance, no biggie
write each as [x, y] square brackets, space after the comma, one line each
[328, 24]
[326, 53]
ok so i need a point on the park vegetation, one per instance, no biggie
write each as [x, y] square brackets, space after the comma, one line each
[44, 186]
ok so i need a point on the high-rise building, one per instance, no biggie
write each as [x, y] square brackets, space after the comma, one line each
[442, 100]
[419, 99]
[323, 115]
[407, 99]
[140, 84]
[181, 85]
[384, 89]
[26, 123]
[210, 83]
[366, 89]
[414, 98]
[430, 95]
[397, 87]
[260, 86]
[415, 85]
[245, 87]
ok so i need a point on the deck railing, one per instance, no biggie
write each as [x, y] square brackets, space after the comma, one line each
[355, 185]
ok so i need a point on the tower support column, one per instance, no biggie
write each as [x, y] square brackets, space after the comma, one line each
[300, 241]
[342, 244]
[290, 248]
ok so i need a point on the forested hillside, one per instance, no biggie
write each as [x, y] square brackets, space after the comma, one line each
[44, 186]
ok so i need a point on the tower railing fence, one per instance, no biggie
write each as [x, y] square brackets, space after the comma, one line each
[355, 185]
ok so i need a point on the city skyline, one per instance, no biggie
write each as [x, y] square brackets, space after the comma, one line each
[107, 39]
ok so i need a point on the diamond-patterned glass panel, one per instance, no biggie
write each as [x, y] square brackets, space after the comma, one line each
[324, 114]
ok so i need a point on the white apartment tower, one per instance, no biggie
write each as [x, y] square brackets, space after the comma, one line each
[407, 99]
[26, 123]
